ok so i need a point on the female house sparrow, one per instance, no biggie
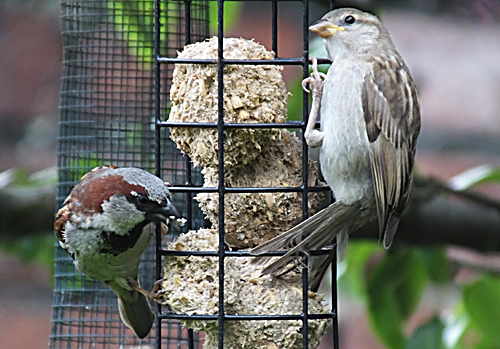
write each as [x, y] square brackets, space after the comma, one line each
[106, 223]
[370, 123]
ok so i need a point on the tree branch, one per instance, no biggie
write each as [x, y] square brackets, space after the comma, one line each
[474, 260]
[26, 211]
[464, 218]
[437, 214]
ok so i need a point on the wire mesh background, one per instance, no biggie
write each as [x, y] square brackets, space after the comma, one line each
[117, 71]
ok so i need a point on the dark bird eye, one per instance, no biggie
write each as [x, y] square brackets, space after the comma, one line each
[349, 19]
[142, 200]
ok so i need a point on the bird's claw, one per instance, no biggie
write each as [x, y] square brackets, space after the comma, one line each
[157, 292]
[315, 79]
[304, 84]
[154, 294]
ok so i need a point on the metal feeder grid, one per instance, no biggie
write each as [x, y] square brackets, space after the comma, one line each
[117, 71]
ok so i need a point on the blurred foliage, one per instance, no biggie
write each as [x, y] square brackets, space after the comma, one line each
[78, 167]
[394, 288]
[135, 20]
[428, 335]
[232, 14]
[391, 283]
[482, 305]
[20, 178]
[35, 247]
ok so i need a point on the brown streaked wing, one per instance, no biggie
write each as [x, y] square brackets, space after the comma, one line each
[392, 116]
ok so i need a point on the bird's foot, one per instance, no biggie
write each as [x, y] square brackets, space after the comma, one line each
[154, 295]
[314, 138]
[315, 80]
[157, 292]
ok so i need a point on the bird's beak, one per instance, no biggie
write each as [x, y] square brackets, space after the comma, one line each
[165, 213]
[325, 29]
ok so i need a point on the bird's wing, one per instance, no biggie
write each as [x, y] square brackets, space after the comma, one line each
[392, 116]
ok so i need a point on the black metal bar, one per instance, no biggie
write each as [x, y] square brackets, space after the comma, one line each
[305, 173]
[276, 61]
[290, 124]
[274, 26]
[187, 160]
[321, 252]
[190, 338]
[305, 303]
[221, 187]
[305, 107]
[246, 189]
[187, 22]
[244, 317]
[157, 114]
[335, 309]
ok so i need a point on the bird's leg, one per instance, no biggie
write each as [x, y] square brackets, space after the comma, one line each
[314, 138]
[153, 295]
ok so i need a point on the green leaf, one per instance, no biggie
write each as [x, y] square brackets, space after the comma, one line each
[486, 344]
[474, 176]
[394, 291]
[294, 103]
[428, 335]
[232, 14]
[386, 320]
[353, 280]
[482, 303]
[135, 21]
[437, 263]
[78, 167]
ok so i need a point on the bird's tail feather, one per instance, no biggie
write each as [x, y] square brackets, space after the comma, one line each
[134, 310]
[314, 233]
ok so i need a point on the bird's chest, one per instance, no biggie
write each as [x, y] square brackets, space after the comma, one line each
[98, 258]
[345, 152]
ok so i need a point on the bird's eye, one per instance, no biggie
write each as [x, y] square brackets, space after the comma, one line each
[142, 200]
[349, 19]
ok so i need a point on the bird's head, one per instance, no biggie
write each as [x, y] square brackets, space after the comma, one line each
[348, 30]
[117, 199]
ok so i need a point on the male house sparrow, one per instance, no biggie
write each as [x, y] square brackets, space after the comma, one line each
[370, 121]
[106, 223]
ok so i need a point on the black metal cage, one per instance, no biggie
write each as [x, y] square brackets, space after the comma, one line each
[118, 62]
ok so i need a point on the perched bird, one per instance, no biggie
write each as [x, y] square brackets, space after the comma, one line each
[106, 223]
[370, 121]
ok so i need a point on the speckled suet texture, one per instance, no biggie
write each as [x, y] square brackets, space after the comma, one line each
[191, 287]
[253, 218]
[252, 94]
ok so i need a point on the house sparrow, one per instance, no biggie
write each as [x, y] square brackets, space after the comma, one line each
[370, 121]
[106, 223]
